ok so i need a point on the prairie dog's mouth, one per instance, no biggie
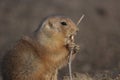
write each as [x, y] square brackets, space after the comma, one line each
[70, 43]
[70, 39]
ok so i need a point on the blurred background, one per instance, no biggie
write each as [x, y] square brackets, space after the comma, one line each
[99, 35]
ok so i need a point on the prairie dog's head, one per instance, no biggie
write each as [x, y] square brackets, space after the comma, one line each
[58, 28]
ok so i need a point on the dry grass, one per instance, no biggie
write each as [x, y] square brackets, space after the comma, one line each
[79, 76]
[96, 76]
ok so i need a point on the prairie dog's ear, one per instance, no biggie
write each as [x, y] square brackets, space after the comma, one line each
[53, 26]
[50, 25]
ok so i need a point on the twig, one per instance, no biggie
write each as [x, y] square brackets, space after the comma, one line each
[71, 52]
[80, 19]
[69, 64]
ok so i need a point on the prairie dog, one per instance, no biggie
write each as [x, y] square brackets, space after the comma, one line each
[40, 55]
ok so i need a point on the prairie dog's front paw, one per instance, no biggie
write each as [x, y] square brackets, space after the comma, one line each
[73, 47]
[76, 49]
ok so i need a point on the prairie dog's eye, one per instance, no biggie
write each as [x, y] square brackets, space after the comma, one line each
[63, 23]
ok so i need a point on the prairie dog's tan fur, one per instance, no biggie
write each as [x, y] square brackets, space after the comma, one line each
[40, 55]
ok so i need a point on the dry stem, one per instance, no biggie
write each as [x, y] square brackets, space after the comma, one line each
[71, 52]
